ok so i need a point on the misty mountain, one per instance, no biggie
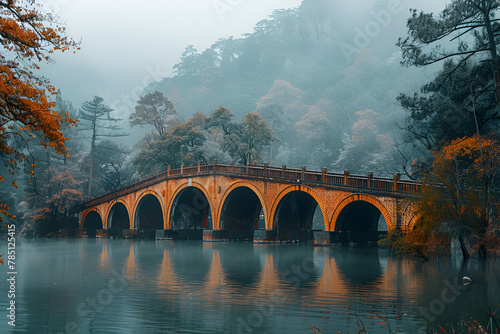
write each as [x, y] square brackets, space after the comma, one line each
[335, 84]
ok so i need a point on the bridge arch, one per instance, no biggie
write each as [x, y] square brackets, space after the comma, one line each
[118, 215]
[92, 221]
[306, 196]
[151, 216]
[359, 198]
[233, 190]
[198, 208]
[410, 216]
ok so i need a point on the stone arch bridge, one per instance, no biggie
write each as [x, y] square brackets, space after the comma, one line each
[260, 203]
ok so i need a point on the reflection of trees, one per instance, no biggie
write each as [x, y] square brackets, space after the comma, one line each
[296, 266]
[359, 266]
[241, 264]
[181, 286]
[191, 263]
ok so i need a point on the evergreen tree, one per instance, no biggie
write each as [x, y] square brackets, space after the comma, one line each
[95, 117]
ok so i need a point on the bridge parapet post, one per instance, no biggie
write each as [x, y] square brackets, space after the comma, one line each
[283, 171]
[246, 168]
[215, 165]
[168, 171]
[266, 165]
[397, 177]
[346, 177]
[303, 173]
[324, 171]
[370, 178]
[199, 167]
[182, 169]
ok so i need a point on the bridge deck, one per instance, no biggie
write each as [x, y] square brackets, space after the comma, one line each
[394, 187]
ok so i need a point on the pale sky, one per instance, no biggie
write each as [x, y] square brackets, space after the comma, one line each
[127, 44]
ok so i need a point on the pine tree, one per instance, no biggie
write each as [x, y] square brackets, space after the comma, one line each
[95, 116]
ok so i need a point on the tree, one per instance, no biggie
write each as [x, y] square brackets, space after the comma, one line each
[472, 28]
[282, 93]
[43, 160]
[274, 113]
[462, 199]
[96, 118]
[364, 148]
[450, 106]
[111, 168]
[59, 195]
[179, 146]
[220, 124]
[248, 140]
[204, 139]
[190, 65]
[28, 37]
[153, 109]
[463, 99]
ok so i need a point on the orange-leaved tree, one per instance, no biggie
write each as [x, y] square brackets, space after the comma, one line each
[61, 193]
[27, 38]
[462, 201]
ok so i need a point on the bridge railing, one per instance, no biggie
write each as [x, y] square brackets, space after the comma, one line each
[382, 184]
[345, 179]
[358, 181]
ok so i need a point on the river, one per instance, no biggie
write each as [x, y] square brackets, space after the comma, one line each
[142, 286]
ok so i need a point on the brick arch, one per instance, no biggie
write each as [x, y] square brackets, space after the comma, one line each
[288, 190]
[110, 206]
[199, 186]
[409, 217]
[136, 204]
[86, 213]
[365, 198]
[238, 184]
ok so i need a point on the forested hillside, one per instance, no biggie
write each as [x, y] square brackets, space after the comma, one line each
[328, 93]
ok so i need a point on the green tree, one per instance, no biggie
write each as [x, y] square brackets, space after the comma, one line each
[220, 124]
[470, 26]
[95, 117]
[190, 65]
[249, 139]
[451, 106]
[274, 113]
[112, 169]
[181, 145]
[154, 109]
[365, 144]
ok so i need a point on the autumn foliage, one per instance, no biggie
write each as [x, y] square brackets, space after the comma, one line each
[461, 200]
[58, 195]
[27, 38]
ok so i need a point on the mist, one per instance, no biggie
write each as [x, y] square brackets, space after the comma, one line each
[125, 47]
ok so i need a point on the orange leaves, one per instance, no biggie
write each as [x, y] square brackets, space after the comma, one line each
[27, 36]
[471, 154]
[4, 209]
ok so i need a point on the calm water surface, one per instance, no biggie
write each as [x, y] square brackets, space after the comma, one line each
[123, 286]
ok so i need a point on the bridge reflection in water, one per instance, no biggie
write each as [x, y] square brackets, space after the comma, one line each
[259, 203]
[218, 287]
